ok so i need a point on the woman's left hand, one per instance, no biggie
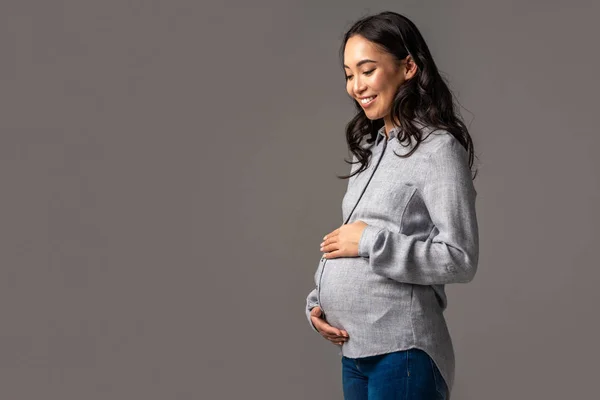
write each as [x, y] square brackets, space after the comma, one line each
[343, 242]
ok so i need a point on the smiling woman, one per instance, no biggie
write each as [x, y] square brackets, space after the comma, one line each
[410, 223]
[373, 77]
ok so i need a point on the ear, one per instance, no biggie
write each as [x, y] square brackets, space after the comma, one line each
[410, 67]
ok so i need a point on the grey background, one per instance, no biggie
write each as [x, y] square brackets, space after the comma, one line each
[168, 170]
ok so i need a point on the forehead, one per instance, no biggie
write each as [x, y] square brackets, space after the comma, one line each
[358, 48]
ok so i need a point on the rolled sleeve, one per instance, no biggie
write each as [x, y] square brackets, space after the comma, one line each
[450, 253]
[365, 244]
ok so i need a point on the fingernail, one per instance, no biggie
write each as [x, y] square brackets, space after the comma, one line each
[324, 237]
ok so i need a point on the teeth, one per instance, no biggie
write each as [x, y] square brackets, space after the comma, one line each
[368, 99]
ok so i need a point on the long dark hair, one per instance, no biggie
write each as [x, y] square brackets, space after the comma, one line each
[425, 97]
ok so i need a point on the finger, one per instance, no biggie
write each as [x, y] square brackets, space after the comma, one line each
[327, 241]
[331, 238]
[337, 339]
[341, 339]
[332, 233]
[324, 327]
[334, 337]
[330, 330]
[329, 248]
[331, 241]
[326, 331]
[334, 254]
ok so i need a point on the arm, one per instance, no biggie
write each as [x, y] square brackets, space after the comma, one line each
[450, 253]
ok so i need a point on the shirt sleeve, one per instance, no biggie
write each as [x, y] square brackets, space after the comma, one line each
[311, 302]
[450, 253]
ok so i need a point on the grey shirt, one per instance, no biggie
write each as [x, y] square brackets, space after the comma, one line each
[422, 234]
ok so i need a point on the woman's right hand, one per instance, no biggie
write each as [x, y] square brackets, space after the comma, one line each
[334, 335]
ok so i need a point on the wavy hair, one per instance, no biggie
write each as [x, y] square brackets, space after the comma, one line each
[425, 97]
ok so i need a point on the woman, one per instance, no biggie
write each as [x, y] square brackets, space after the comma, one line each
[410, 219]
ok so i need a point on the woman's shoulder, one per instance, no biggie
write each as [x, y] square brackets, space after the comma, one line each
[431, 141]
[436, 141]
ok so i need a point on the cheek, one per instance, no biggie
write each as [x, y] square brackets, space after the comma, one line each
[386, 89]
[380, 83]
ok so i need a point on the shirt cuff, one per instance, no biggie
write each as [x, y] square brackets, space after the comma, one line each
[366, 240]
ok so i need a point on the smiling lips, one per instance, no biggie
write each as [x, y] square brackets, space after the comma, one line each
[367, 101]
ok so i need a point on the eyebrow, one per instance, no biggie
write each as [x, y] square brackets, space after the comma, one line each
[361, 62]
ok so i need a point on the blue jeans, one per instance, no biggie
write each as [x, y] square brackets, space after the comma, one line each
[401, 375]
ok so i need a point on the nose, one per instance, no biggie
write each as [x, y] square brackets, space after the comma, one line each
[359, 86]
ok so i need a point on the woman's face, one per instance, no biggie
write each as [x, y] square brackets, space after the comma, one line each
[373, 76]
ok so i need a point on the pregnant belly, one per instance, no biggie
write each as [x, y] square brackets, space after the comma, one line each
[352, 294]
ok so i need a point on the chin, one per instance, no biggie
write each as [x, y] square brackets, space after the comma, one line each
[373, 116]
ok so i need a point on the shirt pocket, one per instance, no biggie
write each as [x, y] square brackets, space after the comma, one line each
[384, 203]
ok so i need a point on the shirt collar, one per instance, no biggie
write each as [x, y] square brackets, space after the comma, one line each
[392, 133]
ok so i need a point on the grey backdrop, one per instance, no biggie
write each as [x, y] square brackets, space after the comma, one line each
[168, 170]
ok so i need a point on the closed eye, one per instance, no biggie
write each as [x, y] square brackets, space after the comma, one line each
[367, 73]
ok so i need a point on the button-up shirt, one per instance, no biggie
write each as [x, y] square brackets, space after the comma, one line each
[422, 234]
